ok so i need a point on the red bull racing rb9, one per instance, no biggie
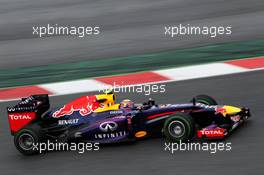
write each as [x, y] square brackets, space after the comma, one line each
[99, 119]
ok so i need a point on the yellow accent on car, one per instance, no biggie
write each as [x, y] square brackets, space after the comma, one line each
[108, 108]
[231, 110]
[106, 98]
[140, 134]
[107, 103]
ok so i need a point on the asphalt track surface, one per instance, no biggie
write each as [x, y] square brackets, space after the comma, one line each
[149, 157]
[127, 27]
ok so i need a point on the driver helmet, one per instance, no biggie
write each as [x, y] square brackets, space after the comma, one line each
[126, 104]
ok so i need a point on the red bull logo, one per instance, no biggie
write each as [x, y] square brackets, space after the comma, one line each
[220, 110]
[85, 105]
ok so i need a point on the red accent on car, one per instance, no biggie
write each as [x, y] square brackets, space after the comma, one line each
[84, 105]
[159, 115]
[19, 120]
[211, 133]
[220, 110]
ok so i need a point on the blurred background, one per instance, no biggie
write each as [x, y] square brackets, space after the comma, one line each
[131, 36]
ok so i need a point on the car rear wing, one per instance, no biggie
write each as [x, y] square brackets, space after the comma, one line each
[26, 111]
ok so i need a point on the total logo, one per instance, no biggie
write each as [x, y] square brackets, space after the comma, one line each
[108, 126]
[207, 132]
[211, 133]
[20, 117]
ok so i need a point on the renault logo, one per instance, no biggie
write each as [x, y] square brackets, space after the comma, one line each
[108, 126]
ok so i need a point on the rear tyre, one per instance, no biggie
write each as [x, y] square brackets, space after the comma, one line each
[26, 139]
[179, 127]
[205, 99]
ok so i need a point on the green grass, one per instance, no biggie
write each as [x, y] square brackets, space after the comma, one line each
[121, 65]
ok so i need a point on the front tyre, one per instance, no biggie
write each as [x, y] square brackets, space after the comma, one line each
[179, 127]
[26, 139]
[205, 99]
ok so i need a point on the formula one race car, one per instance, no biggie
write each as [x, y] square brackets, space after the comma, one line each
[99, 119]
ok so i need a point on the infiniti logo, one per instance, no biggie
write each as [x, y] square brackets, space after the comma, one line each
[108, 126]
